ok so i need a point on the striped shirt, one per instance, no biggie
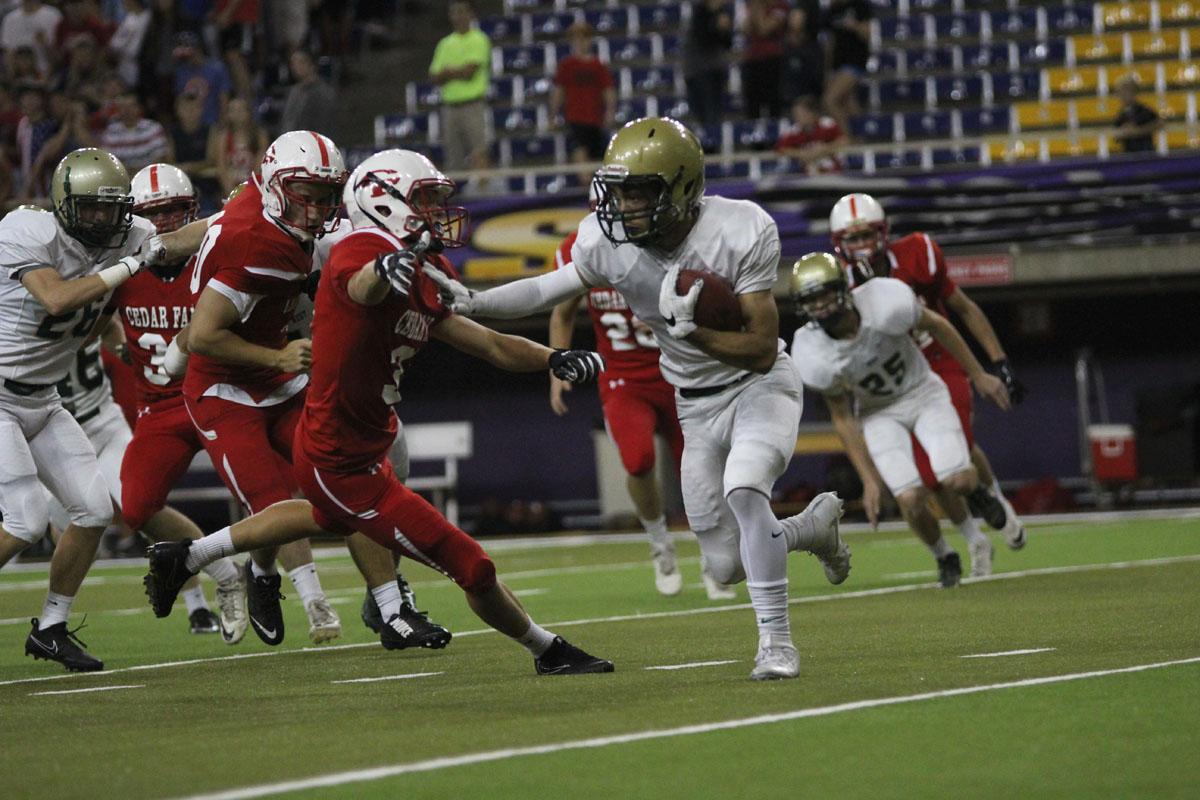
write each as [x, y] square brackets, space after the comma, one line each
[137, 147]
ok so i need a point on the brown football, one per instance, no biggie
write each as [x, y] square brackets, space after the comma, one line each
[718, 307]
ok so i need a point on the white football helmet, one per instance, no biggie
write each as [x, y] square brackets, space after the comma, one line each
[302, 177]
[858, 228]
[164, 194]
[404, 193]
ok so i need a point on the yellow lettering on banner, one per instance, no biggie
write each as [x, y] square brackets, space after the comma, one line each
[525, 242]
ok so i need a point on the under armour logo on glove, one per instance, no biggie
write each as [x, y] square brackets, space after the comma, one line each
[677, 310]
[576, 366]
[1001, 369]
[455, 296]
[399, 267]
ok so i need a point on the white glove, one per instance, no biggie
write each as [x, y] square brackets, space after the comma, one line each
[455, 296]
[678, 310]
[175, 361]
[154, 251]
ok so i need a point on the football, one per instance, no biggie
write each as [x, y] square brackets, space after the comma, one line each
[718, 306]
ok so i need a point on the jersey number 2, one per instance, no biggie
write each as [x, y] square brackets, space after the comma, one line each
[617, 327]
[876, 384]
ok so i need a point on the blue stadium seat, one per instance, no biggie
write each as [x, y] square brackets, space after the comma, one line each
[608, 21]
[928, 60]
[671, 44]
[919, 6]
[1016, 86]
[980, 121]
[519, 59]
[503, 89]
[1036, 54]
[985, 57]
[959, 89]
[631, 109]
[652, 80]
[755, 134]
[662, 17]
[428, 96]
[927, 125]
[673, 106]
[1014, 23]
[852, 162]
[551, 26]
[500, 28]
[555, 184]
[410, 128]
[902, 92]
[709, 136]
[902, 29]
[532, 149]
[956, 155]
[873, 127]
[539, 88]
[1076, 18]
[718, 171]
[514, 120]
[956, 26]
[898, 159]
[883, 61]
[629, 50]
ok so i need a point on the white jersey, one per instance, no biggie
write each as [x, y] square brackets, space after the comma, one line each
[881, 363]
[733, 238]
[35, 346]
[86, 388]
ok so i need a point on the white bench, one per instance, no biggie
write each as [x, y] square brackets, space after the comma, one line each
[435, 441]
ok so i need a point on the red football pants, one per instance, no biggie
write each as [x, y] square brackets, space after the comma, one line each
[960, 395]
[164, 443]
[633, 411]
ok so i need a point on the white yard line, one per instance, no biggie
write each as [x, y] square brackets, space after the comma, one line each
[93, 689]
[530, 592]
[1011, 653]
[467, 759]
[391, 677]
[687, 612]
[695, 664]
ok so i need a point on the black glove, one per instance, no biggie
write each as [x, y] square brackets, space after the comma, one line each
[576, 366]
[1001, 369]
[311, 283]
[397, 269]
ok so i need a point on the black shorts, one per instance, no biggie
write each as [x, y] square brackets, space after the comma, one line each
[592, 139]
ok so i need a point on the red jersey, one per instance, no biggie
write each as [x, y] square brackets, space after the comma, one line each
[261, 270]
[358, 356]
[626, 343]
[583, 81]
[153, 312]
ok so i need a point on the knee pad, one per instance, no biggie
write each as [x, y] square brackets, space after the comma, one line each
[719, 552]
[97, 510]
[28, 515]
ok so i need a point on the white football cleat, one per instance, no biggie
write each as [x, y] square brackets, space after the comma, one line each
[821, 518]
[715, 589]
[1013, 530]
[667, 577]
[777, 658]
[323, 622]
[234, 618]
[981, 557]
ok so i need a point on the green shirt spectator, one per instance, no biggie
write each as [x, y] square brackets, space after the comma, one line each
[462, 59]
[461, 67]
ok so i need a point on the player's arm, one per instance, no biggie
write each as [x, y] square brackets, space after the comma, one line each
[112, 337]
[520, 298]
[849, 431]
[753, 348]
[366, 287]
[977, 323]
[209, 335]
[183, 243]
[512, 353]
[562, 326]
[62, 296]
[987, 385]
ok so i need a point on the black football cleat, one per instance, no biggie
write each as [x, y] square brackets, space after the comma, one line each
[56, 643]
[168, 573]
[564, 658]
[413, 628]
[203, 621]
[949, 570]
[262, 601]
[986, 505]
[370, 613]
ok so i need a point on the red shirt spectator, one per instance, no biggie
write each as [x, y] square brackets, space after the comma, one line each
[583, 79]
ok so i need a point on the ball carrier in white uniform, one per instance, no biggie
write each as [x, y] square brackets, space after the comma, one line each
[859, 345]
[739, 399]
[56, 272]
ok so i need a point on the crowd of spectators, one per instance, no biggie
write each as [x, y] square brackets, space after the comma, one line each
[195, 82]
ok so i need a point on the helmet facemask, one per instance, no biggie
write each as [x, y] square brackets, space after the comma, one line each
[317, 214]
[826, 304]
[427, 207]
[861, 245]
[653, 203]
[100, 220]
[169, 214]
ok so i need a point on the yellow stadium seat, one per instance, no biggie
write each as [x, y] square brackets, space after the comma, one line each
[1186, 139]
[1073, 146]
[1145, 72]
[1015, 150]
[1155, 45]
[1171, 106]
[1183, 73]
[1073, 80]
[1125, 15]
[1037, 114]
[1106, 47]
[1096, 110]
[1179, 12]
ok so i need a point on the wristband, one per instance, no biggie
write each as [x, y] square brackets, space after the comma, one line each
[120, 272]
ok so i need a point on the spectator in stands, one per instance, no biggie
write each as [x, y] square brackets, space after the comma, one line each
[86, 71]
[803, 55]
[586, 97]
[849, 23]
[32, 24]
[202, 76]
[706, 59]
[34, 129]
[237, 145]
[460, 66]
[126, 43]
[288, 25]
[311, 102]
[10, 118]
[237, 23]
[762, 63]
[156, 65]
[70, 131]
[813, 140]
[138, 142]
[1136, 122]
[23, 69]
[80, 19]
[189, 136]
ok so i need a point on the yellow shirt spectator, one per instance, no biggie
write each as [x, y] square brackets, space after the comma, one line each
[457, 50]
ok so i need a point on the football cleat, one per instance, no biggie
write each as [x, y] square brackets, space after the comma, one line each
[949, 570]
[370, 613]
[168, 573]
[823, 514]
[715, 589]
[1014, 530]
[777, 658]
[667, 577]
[56, 643]
[564, 658]
[981, 557]
[323, 623]
[231, 601]
[413, 628]
[984, 504]
[202, 620]
[262, 605]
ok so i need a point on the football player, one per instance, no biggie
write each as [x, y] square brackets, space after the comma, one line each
[858, 345]
[58, 270]
[737, 395]
[375, 310]
[637, 402]
[859, 230]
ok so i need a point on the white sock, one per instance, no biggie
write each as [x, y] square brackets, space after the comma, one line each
[259, 572]
[536, 640]
[223, 571]
[764, 554]
[194, 598]
[996, 487]
[387, 597]
[941, 548]
[770, 602]
[56, 610]
[307, 583]
[208, 549]
[656, 529]
[969, 528]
